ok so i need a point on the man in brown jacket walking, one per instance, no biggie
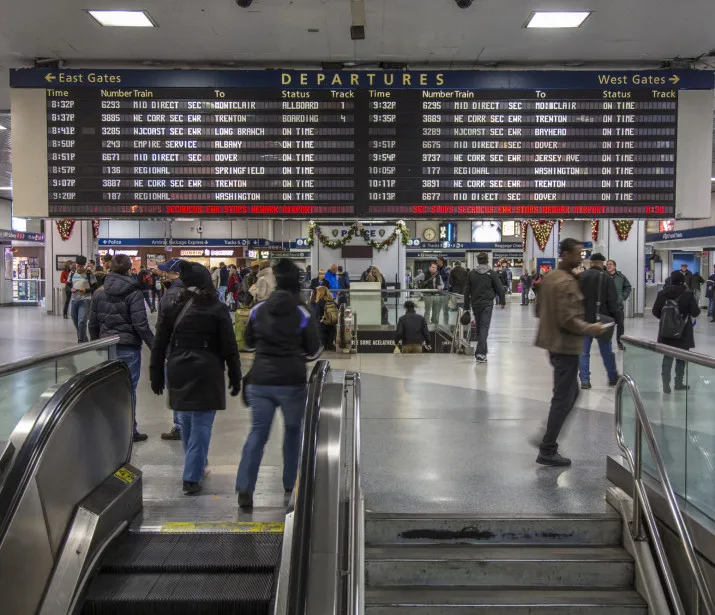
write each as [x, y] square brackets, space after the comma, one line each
[561, 328]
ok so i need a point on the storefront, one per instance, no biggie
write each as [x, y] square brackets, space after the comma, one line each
[133, 255]
[24, 267]
[213, 257]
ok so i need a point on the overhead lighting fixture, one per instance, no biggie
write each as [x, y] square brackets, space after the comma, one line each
[123, 19]
[3, 127]
[5, 187]
[464, 4]
[557, 19]
[244, 4]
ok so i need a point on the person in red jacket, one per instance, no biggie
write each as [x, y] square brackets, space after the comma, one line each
[64, 280]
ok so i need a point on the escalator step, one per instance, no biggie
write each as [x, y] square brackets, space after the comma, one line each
[179, 594]
[194, 553]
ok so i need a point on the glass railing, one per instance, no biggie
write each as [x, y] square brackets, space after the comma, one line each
[677, 389]
[384, 307]
[22, 383]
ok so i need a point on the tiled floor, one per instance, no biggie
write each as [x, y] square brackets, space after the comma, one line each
[439, 433]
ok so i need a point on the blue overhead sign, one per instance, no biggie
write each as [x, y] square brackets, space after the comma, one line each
[691, 233]
[363, 79]
[417, 243]
[184, 243]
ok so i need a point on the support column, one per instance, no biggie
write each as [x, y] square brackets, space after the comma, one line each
[81, 241]
[629, 256]
[533, 252]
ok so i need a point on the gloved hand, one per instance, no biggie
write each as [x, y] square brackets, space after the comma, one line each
[157, 384]
[428, 348]
[235, 388]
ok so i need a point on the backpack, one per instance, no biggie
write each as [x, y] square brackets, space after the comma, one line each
[146, 281]
[330, 316]
[672, 323]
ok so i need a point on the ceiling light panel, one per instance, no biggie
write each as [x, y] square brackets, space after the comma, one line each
[557, 19]
[123, 19]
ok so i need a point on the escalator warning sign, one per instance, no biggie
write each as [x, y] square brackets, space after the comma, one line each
[125, 475]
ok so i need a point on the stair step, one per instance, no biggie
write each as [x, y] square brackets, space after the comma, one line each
[515, 566]
[600, 529]
[525, 601]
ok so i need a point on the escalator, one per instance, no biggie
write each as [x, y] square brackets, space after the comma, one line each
[69, 497]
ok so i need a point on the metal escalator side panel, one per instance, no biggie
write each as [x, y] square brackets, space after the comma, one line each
[58, 468]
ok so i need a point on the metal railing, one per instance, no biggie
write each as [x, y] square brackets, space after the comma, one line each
[355, 562]
[36, 360]
[641, 504]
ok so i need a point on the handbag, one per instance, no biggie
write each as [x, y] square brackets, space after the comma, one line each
[604, 319]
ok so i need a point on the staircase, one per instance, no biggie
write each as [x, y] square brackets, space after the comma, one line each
[456, 565]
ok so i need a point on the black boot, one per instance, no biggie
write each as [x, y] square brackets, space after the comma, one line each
[680, 386]
[666, 386]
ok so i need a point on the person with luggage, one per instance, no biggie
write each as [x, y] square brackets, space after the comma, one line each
[326, 315]
[82, 284]
[412, 331]
[64, 280]
[525, 280]
[196, 343]
[234, 288]
[562, 325]
[285, 336]
[118, 309]
[623, 290]
[600, 299]
[484, 288]
[247, 283]
[171, 270]
[676, 308]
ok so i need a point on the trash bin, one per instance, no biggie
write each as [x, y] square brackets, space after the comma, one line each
[628, 308]
[58, 301]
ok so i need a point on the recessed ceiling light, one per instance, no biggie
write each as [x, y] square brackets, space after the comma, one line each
[5, 187]
[3, 127]
[557, 19]
[125, 19]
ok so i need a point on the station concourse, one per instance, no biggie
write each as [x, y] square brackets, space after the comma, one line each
[428, 155]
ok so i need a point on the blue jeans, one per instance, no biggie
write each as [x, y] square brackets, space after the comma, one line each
[196, 429]
[710, 306]
[609, 360]
[221, 290]
[132, 356]
[264, 400]
[80, 313]
[149, 298]
[525, 296]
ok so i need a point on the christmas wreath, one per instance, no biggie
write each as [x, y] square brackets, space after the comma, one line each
[400, 233]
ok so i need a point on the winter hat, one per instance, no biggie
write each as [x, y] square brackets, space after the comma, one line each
[81, 260]
[287, 275]
[195, 274]
[677, 278]
[598, 257]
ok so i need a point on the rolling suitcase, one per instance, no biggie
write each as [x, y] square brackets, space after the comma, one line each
[239, 327]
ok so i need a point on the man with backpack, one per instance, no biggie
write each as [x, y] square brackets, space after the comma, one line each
[483, 287]
[600, 300]
[146, 284]
[82, 284]
[675, 307]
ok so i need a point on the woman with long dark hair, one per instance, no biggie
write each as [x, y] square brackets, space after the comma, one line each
[198, 333]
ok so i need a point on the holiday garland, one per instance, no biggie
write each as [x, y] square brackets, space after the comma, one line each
[64, 228]
[595, 226]
[401, 232]
[623, 228]
[95, 228]
[542, 231]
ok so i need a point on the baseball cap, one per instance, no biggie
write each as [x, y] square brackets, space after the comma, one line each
[173, 264]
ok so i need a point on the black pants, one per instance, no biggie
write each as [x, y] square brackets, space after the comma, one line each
[668, 367]
[620, 326]
[563, 399]
[68, 298]
[483, 320]
[327, 336]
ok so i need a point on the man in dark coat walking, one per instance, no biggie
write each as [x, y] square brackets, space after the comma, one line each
[600, 297]
[118, 309]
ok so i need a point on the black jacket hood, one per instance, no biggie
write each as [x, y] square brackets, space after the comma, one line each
[117, 285]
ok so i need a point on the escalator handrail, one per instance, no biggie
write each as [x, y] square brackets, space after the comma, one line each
[305, 490]
[641, 504]
[29, 454]
[34, 361]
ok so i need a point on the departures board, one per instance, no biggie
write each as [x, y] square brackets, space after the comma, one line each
[341, 144]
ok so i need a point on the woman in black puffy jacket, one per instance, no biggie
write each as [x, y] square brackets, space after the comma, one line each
[196, 337]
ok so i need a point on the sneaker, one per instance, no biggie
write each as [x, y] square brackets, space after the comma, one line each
[480, 358]
[245, 500]
[585, 385]
[612, 383]
[173, 434]
[191, 488]
[140, 437]
[555, 460]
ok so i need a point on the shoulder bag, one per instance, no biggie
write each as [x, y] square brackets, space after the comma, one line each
[604, 319]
